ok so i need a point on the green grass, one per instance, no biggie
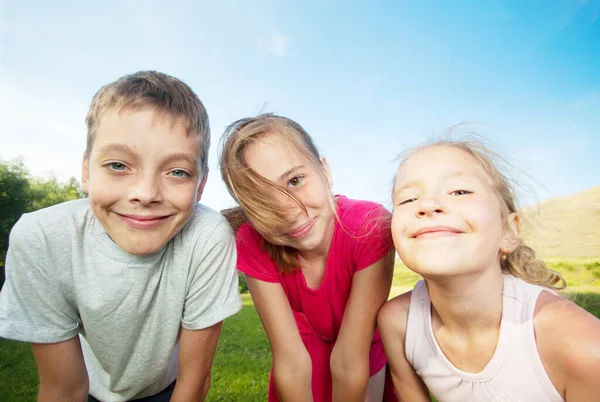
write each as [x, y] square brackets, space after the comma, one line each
[243, 359]
[580, 274]
[18, 374]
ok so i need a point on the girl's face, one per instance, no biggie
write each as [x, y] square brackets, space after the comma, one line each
[274, 158]
[447, 218]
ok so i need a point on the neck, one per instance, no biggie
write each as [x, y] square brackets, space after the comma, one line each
[468, 304]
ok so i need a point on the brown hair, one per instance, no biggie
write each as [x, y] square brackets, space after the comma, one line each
[521, 262]
[252, 191]
[150, 89]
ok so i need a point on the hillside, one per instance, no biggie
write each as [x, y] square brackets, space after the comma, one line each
[565, 226]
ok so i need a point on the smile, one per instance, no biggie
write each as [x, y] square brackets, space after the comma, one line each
[143, 221]
[435, 231]
[301, 231]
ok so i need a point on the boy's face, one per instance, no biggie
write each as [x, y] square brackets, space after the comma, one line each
[143, 178]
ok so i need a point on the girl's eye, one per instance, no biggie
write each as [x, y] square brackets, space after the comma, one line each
[116, 166]
[409, 200]
[460, 192]
[179, 173]
[295, 181]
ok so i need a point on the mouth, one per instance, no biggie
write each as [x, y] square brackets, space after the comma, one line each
[144, 221]
[435, 231]
[302, 230]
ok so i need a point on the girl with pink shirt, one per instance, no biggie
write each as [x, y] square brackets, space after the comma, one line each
[318, 266]
[485, 324]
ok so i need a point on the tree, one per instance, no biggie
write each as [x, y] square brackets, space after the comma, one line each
[20, 193]
[45, 193]
[14, 197]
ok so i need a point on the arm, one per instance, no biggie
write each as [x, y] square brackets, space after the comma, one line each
[567, 340]
[63, 376]
[392, 320]
[292, 365]
[196, 352]
[350, 355]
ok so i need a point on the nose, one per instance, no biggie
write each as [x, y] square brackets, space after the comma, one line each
[429, 206]
[146, 189]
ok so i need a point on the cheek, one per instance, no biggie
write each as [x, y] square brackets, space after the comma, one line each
[183, 197]
[104, 192]
[398, 227]
[316, 196]
[484, 217]
[487, 221]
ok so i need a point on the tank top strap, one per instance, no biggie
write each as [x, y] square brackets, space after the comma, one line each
[529, 295]
[416, 325]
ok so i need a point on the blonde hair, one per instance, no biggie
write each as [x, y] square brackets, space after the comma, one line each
[158, 91]
[253, 192]
[522, 261]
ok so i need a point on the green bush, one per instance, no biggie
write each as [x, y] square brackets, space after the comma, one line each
[243, 286]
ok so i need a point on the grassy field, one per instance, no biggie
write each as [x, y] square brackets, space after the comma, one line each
[241, 368]
[582, 276]
[243, 360]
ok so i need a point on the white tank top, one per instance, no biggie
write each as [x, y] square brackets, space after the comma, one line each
[514, 374]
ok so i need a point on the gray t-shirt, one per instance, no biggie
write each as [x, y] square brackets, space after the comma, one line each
[65, 276]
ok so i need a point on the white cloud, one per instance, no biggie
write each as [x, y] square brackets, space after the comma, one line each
[276, 44]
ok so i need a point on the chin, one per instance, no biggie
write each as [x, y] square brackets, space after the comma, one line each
[141, 246]
[434, 265]
[140, 250]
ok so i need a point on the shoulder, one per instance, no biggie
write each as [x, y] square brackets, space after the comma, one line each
[52, 224]
[392, 318]
[248, 237]
[204, 224]
[351, 209]
[567, 338]
[252, 258]
[362, 216]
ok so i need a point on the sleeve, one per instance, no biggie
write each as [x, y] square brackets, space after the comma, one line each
[213, 292]
[375, 236]
[33, 304]
[252, 260]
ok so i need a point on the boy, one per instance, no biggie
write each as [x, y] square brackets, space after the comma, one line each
[124, 292]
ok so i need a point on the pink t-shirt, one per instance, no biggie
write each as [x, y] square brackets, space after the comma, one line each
[362, 239]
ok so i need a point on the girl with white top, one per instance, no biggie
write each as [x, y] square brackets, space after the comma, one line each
[484, 324]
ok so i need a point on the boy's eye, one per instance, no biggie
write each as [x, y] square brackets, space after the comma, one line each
[179, 173]
[460, 192]
[117, 166]
[295, 181]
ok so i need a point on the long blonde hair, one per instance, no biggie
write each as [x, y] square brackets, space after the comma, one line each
[522, 262]
[252, 191]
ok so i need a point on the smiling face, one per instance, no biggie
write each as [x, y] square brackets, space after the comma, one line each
[274, 158]
[447, 217]
[143, 179]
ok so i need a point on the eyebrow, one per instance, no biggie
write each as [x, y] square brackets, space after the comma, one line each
[181, 156]
[289, 172]
[120, 148]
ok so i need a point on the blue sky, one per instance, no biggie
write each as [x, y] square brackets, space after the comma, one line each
[366, 79]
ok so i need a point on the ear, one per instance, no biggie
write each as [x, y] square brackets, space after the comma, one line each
[85, 173]
[202, 185]
[327, 172]
[512, 232]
